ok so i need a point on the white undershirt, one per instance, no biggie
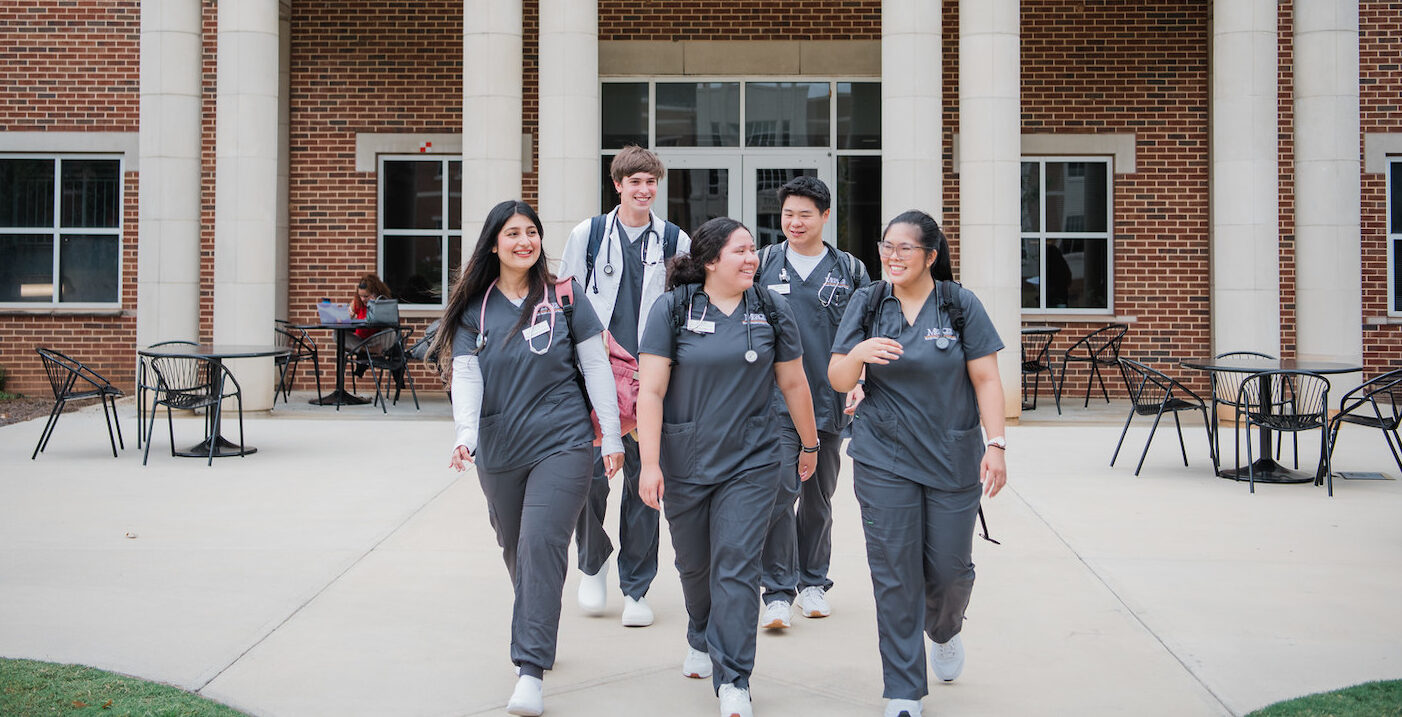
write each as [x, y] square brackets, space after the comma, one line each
[802, 263]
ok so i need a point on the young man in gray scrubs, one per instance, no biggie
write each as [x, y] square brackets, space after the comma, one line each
[818, 280]
[629, 272]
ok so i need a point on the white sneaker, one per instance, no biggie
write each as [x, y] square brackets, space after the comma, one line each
[734, 701]
[813, 602]
[636, 613]
[594, 592]
[697, 664]
[903, 708]
[947, 659]
[776, 615]
[527, 699]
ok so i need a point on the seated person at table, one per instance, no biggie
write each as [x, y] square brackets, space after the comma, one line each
[370, 287]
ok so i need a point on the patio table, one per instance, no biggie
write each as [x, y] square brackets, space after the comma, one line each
[340, 396]
[216, 353]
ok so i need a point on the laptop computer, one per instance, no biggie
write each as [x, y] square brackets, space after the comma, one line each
[334, 313]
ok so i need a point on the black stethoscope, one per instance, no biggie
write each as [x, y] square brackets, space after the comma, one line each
[750, 355]
[830, 284]
[945, 338]
[618, 231]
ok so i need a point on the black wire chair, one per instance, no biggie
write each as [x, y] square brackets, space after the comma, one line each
[1226, 387]
[145, 382]
[302, 348]
[1154, 393]
[72, 381]
[1035, 362]
[1307, 410]
[383, 353]
[1098, 348]
[189, 383]
[1376, 403]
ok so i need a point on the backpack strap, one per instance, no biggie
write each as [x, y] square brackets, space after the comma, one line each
[952, 308]
[879, 291]
[591, 252]
[766, 255]
[671, 234]
[765, 300]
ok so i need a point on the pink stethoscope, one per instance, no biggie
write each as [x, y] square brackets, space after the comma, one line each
[543, 308]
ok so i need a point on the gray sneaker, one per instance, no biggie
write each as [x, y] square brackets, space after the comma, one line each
[813, 602]
[947, 659]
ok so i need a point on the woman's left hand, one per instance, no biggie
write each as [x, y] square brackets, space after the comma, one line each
[807, 463]
[612, 462]
[993, 471]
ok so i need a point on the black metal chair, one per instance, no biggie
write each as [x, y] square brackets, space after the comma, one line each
[1035, 362]
[72, 381]
[1307, 410]
[189, 383]
[1154, 393]
[1098, 348]
[385, 352]
[1226, 387]
[303, 348]
[145, 381]
[1376, 403]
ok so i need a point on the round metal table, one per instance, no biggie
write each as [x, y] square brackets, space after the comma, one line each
[216, 353]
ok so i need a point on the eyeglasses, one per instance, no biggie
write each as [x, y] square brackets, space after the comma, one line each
[903, 251]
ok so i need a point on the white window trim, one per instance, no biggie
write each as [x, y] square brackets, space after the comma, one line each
[1392, 238]
[57, 231]
[1042, 235]
[446, 234]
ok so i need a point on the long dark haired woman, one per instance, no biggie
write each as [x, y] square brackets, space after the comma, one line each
[930, 354]
[712, 352]
[521, 417]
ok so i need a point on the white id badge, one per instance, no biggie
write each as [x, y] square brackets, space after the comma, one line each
[535, 330]
[780, 288]
[701, 327]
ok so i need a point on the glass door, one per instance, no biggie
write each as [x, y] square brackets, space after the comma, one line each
[698, 188]
[764, 175]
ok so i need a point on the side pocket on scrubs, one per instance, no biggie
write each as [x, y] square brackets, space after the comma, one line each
[678, 452]
[961, 450]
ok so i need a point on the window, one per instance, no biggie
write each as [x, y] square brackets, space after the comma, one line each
[420, 226]
[1066, 230]
[1394, 234]
[60, 230]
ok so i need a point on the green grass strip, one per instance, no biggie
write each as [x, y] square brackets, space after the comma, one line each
[1370, 699]
[41, 689]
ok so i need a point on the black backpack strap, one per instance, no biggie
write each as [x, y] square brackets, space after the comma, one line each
[951, 304]
[671, 234]
[878, 293]
[765, 301]
[766, 255]
[597, 225]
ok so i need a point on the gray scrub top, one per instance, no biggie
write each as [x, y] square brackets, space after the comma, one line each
[623, 325]
[920, 415]
[716, 418]
[817, 325]
[532, 405]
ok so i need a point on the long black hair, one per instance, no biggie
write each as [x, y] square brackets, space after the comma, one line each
[482, 268]
[706, 244]
[931, 238]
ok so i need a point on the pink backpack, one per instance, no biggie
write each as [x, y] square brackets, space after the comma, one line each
[625, 370]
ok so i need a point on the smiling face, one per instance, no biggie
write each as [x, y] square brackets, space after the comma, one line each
[636, 193]
[734, 268]
[903, 256]
[518, 243]
[802, 222]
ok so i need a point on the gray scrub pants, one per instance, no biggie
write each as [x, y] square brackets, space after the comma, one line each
[533, 509]
[919, 547]
[637, 527]
[798, 548]
[717, 534]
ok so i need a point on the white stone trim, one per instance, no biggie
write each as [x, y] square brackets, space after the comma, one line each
[1120, 145]
[1378, 147]
[370, 145]
[124, 143]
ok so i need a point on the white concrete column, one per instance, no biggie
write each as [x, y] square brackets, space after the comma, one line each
[569, 117]
[168, 250]
[491, 110]
[246, 187]
[990, 180]
[1328, 293]
[912, 126]
[1245, 178]
[282, 271]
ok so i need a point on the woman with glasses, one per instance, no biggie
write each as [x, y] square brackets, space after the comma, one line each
[522, 419]
[919, 462]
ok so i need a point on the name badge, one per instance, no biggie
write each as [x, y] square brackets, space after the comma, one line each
[701, 327]
[535, 330]
[780, 288]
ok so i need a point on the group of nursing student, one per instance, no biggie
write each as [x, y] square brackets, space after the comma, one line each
[752, 364]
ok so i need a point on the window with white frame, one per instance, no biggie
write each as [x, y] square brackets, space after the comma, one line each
[1394, 235]
[60, 230]
[420, 243]
[1067, 254]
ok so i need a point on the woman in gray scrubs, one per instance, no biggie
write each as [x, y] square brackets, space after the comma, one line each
[919, 464]
[710, 357]
[522, 419]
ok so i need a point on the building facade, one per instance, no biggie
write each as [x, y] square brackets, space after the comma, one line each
[1219, 175]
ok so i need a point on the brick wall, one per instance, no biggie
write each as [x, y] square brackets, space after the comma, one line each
[1285, 120]
[1380, 97]
[741, 20]
[73, 67]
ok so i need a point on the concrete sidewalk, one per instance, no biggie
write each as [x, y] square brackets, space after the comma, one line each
[345, 570]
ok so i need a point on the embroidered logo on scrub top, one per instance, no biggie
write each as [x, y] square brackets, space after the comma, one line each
[754, 320]
[934, 334]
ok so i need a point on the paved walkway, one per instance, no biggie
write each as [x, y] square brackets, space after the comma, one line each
[345, 570]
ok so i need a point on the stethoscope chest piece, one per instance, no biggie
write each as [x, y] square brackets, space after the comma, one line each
[751, 356]
[481, 340]
[942, 343]
[608, 269]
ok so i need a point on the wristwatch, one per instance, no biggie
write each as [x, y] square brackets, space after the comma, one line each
[998, 442]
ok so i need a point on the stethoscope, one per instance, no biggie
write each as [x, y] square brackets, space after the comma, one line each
[750, 355]
[542, 310]
[944, 340]
[830, 285]
[618, 231]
